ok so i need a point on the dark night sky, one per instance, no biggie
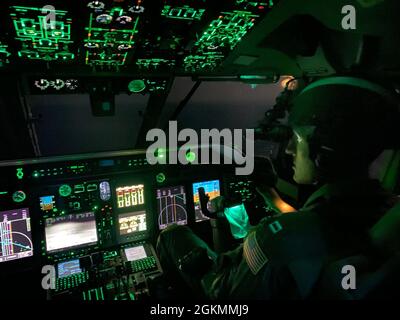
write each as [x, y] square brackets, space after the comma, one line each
[68, 127]
[231, 105]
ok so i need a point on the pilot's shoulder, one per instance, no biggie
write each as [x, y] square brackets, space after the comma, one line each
[290, 236]
[289, 223]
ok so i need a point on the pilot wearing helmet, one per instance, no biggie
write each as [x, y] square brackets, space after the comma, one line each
[340, 125]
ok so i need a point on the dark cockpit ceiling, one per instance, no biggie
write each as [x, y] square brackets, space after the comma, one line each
[170, 47]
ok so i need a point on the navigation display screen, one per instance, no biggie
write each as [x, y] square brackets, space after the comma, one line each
[15, 235]
[68, 268]
[171, 206]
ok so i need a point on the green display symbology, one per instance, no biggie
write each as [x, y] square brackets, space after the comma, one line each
[250, 3]
[205, 61]
[226, 31]
[154, 63]
[109, 46]
[136, 86]
[65, 190]
[156, 85]
[182, 13]
[221, 36]
[18, 196]
[4, 54]
[39, 39]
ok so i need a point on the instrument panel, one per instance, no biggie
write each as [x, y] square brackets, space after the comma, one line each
[75, 207]
[85, 214]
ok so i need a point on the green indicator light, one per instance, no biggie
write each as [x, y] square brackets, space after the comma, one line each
[160, 178]
[160, 153]
[254, 77]
[19, 196]
[3, 192]
[65, 190]
[137, 86]
[190, 156]
[79, 188]
[20, 173]
[91, 187]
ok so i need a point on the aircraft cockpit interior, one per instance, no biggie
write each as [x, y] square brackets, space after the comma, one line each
[146, 144]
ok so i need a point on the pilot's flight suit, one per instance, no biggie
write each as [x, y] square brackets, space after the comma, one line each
[283, 256]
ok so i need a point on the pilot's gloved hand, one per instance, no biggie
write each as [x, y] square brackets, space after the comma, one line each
[234, 212]
[217, 205]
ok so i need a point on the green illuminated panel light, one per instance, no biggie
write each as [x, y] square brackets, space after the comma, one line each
[109, 46]
[4, 54]
[206, 61]
[226, 31]
[182, 13]
[39, 39]
[77, 168]
[65, 190]
[137, 162]
[47, 172]
[20, 173]
[155, 86]
[250, 3]
[154, 63]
